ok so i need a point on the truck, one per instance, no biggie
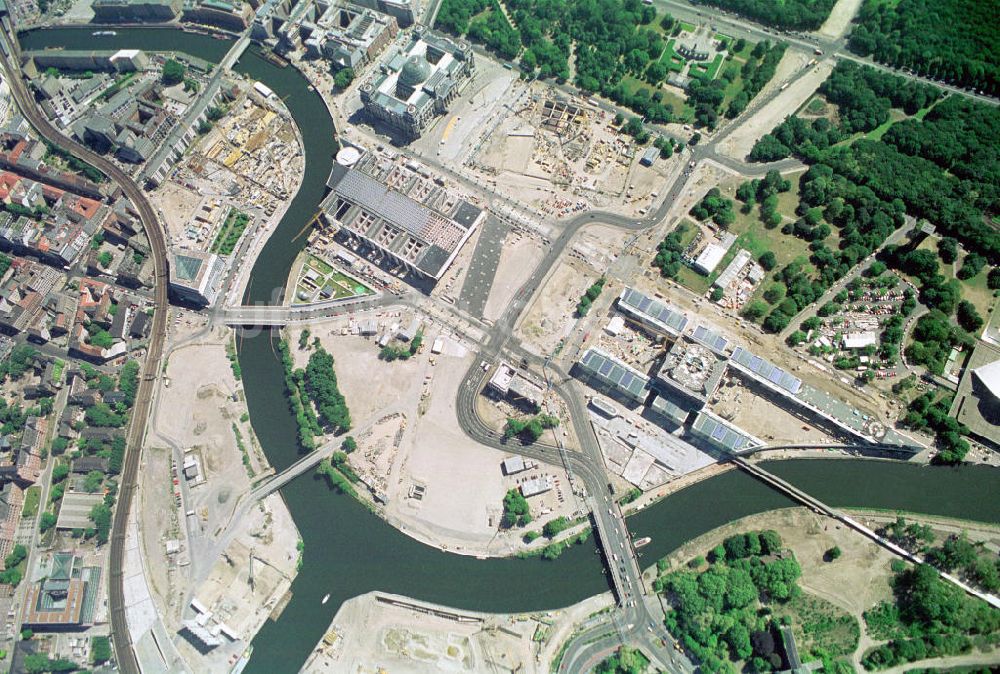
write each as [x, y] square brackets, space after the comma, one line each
[818, 51]
[784, 86]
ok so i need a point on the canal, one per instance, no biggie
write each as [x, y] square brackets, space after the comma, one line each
[349, 551]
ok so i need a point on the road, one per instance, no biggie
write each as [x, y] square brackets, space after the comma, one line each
[738, 27]
[140, 412]
[634, 616]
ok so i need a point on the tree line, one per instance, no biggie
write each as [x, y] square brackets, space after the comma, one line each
[792, 14]
[950, 40]
[723, 612]
[942, 168]
[707, 95]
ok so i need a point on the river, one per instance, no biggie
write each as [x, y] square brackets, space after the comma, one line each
[349, 551]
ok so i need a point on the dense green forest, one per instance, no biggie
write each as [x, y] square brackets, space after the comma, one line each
[943, 168]
[611, 40]
[929, 618]
[794, 14]
[321, 387]
[950, 40]
[725, 609]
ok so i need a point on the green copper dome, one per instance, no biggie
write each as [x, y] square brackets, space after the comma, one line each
[414, 71]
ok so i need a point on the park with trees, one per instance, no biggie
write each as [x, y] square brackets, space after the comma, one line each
[948, 40]
[927, 618]
[729, 604]
[616, 46]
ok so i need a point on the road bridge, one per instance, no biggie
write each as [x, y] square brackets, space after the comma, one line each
[276, 315]
[818, 506]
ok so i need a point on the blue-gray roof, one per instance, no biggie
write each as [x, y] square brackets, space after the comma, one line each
[614, 372]
[665, 317]
[766, 370]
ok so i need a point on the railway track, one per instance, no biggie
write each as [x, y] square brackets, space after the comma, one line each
[124, 651]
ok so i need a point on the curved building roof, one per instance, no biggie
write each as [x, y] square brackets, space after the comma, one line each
[989, 375]
[414, 71]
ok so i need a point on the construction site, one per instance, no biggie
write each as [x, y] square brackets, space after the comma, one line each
[563, 156]
[249, 162]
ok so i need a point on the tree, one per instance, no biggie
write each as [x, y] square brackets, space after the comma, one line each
[554, 527]
[101, 415]
[968, 317]
[516, 512]
[948, 249]
[971, 266]
[349, 444]
[105, 259]
[754, 310]
[60, 472]
[832, 554]
[47, 521]
[100, 649]
[767, 260]
[173, 72]
[343, 78]
[776, 321]
[993, 279]
[92, 482]
[717, 294]
[102, 339]
[128, 381]
[100, 515]
[774, 293]
[796, 338]
[625, 661]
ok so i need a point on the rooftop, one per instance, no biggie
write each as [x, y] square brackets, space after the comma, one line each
[722, 434]
[652, 312]
[614, 372]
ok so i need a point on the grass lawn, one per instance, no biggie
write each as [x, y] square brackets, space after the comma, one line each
[670, 58]
[976, 291]
[693, 281]
[815, 106]
[345, 285]
[689, 27]
[229, 234]
[319, 265]
[819, 625]
[744, 53]
[31, 499]
[683, 111]
[879, 131]
[57, 369]
[715, 65]
[633, 84]
[692, 231]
